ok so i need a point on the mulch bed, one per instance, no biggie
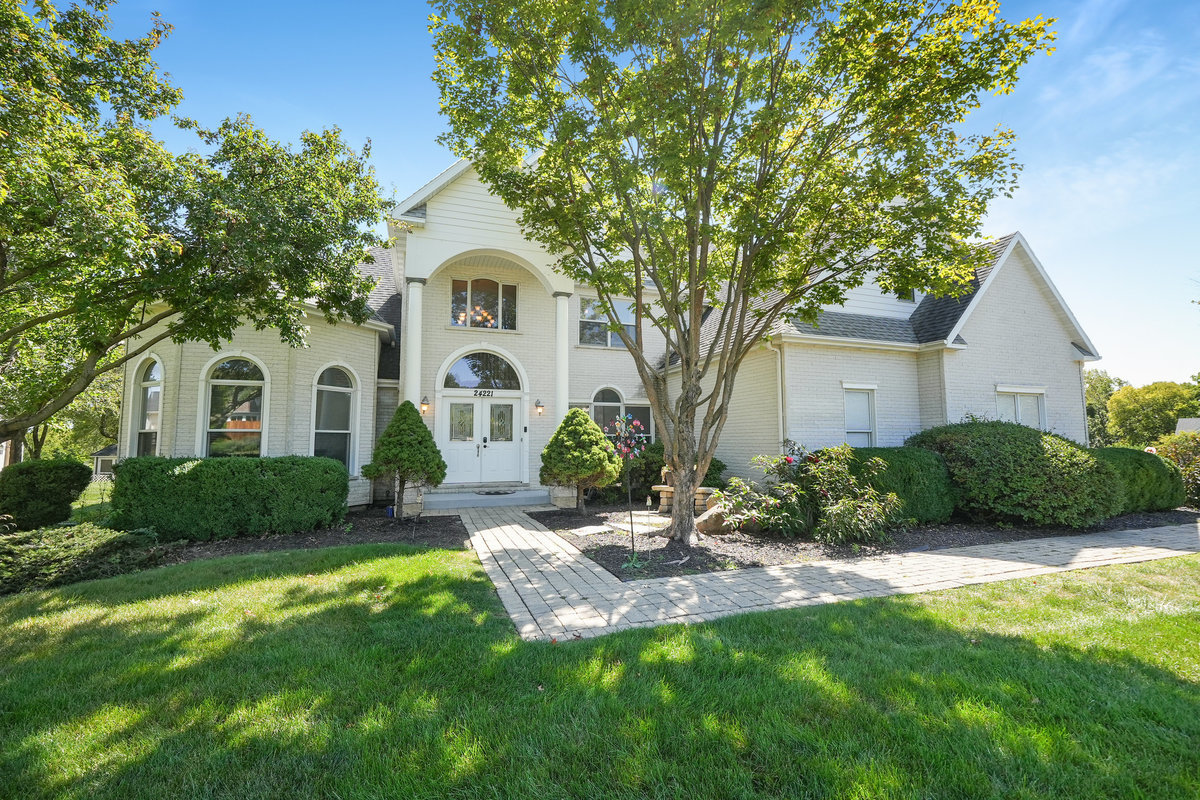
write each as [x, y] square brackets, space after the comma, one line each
[361, 527]
[666, 558]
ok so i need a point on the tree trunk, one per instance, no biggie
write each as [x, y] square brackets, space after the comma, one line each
[683, 517]
[398, 500]
[579, 500]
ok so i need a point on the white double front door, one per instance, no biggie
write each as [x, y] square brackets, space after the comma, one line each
[482, 438]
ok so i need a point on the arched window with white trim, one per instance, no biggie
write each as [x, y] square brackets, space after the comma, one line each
[236, 398]
[333, 415]
[608, 406]
[148, 414]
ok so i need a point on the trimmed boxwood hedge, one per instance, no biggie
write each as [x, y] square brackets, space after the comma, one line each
[1004, 472]
[218, 498]
[1152, 483]
[40, 491]
[918, 477]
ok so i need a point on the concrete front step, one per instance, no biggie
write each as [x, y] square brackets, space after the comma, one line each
[448, 501]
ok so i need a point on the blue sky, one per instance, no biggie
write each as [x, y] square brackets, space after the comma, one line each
[1107, 129]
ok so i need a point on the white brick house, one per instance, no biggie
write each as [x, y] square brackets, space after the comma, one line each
[474, 327]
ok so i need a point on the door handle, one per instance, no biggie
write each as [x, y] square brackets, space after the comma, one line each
[477, 451]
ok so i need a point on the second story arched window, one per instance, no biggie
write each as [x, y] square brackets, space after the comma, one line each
[148, 412]
[236, 399]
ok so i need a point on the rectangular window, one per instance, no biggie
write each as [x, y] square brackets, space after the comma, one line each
[593, 323]
[860, 417]
[1024, 408]
[483, 303]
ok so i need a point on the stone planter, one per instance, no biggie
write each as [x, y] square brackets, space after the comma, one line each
[666, 496]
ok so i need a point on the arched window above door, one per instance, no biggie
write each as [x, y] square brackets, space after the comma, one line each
[482, 371]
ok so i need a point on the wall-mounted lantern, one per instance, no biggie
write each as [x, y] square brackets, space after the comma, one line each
[540, 408]
[425, 404]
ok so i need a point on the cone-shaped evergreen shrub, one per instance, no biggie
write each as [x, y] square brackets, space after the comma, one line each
[407, 453]
[579, 455]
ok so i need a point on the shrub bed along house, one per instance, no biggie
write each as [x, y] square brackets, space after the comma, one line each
[1004, 472]
[40, 492]
[55, 556]
[1183, 449]
[1151, 482]
[918, 477]
[217, 498]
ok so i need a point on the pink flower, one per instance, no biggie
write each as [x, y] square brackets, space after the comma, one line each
[789, 459]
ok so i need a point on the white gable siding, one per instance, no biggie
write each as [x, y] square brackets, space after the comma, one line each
[1017, 335]
[291, 373]
[870, 299]
[816, 397]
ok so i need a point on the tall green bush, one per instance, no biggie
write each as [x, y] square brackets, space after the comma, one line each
[1004, 472]
[40, 492]
[918, 477]
[1183, 449]
[218, 498]
[579, 455]
[406, 453]
[1151, 482]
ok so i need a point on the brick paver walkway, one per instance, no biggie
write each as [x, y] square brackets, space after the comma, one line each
[550, 589]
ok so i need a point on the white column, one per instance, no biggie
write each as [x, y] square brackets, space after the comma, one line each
[412, 342]
[561, 352]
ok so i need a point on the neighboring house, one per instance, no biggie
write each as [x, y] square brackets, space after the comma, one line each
[473, 325]
[1188, 425]
[102, 462]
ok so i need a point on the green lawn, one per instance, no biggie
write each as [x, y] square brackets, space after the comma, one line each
[92, 505]
[383, 671]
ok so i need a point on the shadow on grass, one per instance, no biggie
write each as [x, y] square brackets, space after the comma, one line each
[349, 676]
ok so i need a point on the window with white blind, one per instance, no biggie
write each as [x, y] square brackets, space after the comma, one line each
[860, 417]
[1025, 408]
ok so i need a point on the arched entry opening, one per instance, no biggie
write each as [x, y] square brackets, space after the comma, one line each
[480, 425]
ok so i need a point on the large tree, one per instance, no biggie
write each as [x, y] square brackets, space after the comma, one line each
[733, 163]
[1139, 415]
[1099, 386]
[110, 243]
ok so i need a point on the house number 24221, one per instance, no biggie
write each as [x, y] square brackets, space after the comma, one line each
[483, 392]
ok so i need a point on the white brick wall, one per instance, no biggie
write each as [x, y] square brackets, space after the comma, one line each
[1018, 335]
[932, 388]
[753, 425]
[816, 398]
[291, 374]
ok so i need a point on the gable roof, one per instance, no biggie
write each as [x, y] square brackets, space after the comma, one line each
[412, 208]
[935, 317]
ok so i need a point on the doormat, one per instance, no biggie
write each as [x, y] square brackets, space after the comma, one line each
[497, 491]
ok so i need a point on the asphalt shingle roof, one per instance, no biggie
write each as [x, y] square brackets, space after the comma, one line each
[935, 317]
[387, 304]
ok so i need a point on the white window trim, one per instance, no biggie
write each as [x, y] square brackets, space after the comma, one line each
[1017, 388]
[869, 389]
[202, 407]
[352, 449]
[139, 399]
[619, 345]
[591, 404]
[500, 308]
[1043, 422]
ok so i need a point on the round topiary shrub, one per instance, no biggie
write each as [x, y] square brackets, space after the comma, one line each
[1183, 450]
[579, 455]
[40, 492]
[1151, 482]
[1004, 472]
